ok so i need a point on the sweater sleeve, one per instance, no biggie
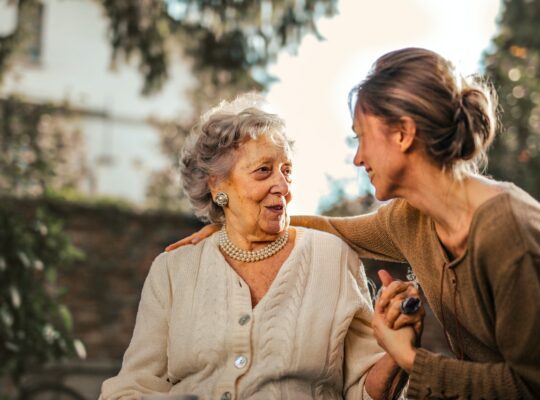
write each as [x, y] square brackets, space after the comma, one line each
[368, 234]
[361, 348]
[144, 367]
[517, 325]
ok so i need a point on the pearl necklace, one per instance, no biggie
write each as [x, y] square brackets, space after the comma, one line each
[250, 256]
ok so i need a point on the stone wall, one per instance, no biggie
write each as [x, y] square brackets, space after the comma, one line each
[104, 288]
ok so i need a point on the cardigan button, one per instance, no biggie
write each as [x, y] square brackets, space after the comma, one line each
[226, 396]
[240, 362]
[244, 319]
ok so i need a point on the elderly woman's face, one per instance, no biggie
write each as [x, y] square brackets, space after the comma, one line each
[258, 188]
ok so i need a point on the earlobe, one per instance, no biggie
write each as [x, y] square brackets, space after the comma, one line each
[212, 185]
[407, 133]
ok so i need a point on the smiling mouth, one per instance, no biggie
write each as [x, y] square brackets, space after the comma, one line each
[276, 208]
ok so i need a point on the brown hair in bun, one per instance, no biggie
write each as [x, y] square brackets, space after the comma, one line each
[455, 117]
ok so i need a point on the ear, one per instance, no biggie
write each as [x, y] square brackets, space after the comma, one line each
[212, 184]
[407, 133]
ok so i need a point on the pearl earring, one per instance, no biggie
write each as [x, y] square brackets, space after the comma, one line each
[221, 199]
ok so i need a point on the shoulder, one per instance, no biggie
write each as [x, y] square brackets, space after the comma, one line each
[400, 215]
[183, 258]
[327, 252]
[507, 228]
[323, 241]
[525, 212]
[510, 219]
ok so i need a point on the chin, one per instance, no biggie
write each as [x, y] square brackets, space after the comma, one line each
[384, 195]
[275, 227]
[381, 197]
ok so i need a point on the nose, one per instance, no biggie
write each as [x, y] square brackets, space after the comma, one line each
[281, 184]
[358, 159]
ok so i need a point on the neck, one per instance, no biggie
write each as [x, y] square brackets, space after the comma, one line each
[446, 200]
[249, 237]
[450, 202]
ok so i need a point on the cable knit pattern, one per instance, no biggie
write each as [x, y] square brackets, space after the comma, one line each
[308, 338]
[281, 307]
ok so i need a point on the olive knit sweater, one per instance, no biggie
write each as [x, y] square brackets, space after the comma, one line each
[487, 300]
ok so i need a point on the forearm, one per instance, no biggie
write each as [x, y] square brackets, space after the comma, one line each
[367, 234]
[439, 376]
[385, 379]
[314, 222]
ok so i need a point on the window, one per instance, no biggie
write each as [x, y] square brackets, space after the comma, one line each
[30, 20]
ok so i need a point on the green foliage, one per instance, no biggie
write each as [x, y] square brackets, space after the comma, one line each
[164, 191]
[40, 149]
[513, 63]
[340, 204]
[231, 42]
[34, 326]
[69, 195]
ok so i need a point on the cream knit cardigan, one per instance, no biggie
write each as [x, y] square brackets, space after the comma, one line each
[309, 337]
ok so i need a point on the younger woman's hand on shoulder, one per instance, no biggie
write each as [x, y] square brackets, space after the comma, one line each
[196, 237]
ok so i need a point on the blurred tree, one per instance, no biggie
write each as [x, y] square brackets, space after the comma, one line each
[34, 326]
[229, 41]
[40, 151]
[164, 190]
[40, 147]
[338, 203]
[513, 64]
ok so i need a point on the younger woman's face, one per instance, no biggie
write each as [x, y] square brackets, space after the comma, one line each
[379, 153]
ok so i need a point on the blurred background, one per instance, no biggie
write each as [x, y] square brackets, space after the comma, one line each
[97, 97]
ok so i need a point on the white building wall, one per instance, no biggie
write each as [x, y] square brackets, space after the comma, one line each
[75, 67]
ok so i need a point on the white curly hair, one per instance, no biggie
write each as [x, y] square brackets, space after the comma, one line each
[209, 149]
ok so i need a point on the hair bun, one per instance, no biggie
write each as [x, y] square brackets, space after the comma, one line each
[454, 116]
[474, 124]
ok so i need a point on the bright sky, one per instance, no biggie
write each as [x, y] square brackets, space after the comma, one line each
[312, 93]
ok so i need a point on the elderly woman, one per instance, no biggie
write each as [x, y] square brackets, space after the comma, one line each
[258, 310]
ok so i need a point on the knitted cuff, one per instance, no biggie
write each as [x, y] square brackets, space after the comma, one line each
[418, 373]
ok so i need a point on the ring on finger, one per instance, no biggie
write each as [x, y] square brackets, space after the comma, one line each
[410, 305]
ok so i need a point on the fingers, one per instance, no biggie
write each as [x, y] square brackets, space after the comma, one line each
[392, 290]
[196, 237]
[180, 243]
[208, 230]
[415, 320]
[385, 277]
[393, 311]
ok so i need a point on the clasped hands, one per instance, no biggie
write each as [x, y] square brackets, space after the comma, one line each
[397, 333]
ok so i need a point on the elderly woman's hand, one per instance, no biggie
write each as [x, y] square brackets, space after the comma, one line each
[399, 344]
[195, 238]
[389, 302]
